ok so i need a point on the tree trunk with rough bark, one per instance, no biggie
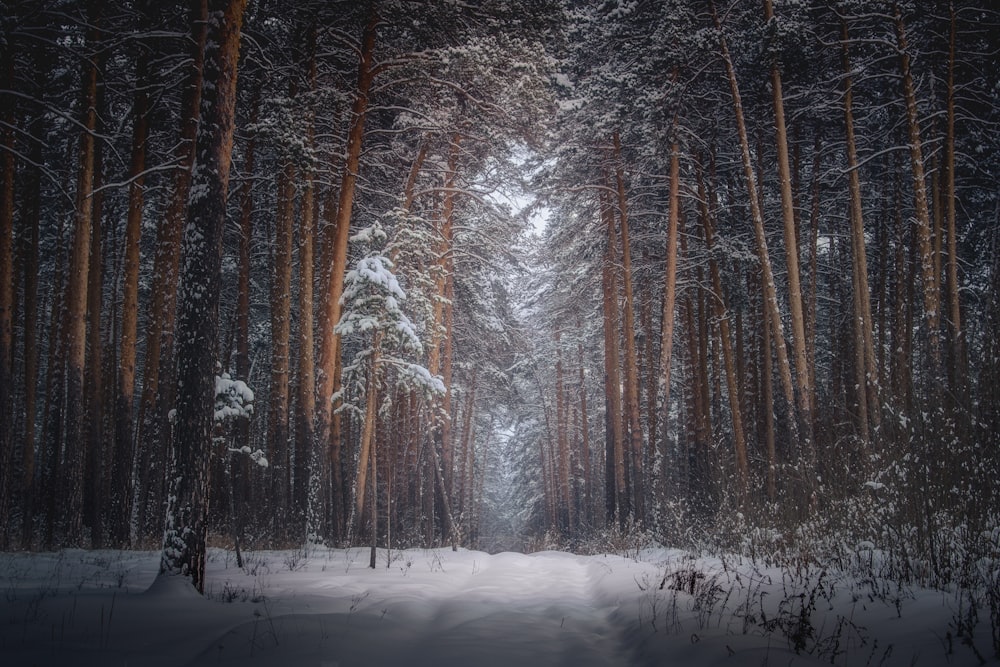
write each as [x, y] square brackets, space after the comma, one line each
[806, 457]
[929, 280]
[198, 322]
[866, 373]
[615, 492]
[7, 171]
[332, 275]
[634, 424]
[121, 473]
[74, 339]
[151, 438]
[278, 436]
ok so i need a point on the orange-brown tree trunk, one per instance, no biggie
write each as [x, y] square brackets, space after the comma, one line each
[631, 368]
[74, 339]
[866, 373]
[670, 286]
[332, 275]
[803, 381]
[770, 298]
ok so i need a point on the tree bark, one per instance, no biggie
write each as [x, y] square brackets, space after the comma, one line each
[958, 352]
[931, 296]
[151, 440]
[615, 491]
[121, 485]
[335, 265]
[74, 340]
[631, 369]
[307, 363]
[770, 298]
[866, 373]
[281, 314]
[722, 315]
[670, 285]
[7, 169]
[804, 383]
[187, 510]
[368, 431]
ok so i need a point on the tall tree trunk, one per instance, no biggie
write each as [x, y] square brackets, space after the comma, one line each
[281, 316]
[631, 369]
[670, 286]
[240, 465]
[307, 363]
[151, 439]
[7, 165]
[866, 373]
[803, 381]
[769, 295]
[30, 238]
[121, 474]
[439, 357]
[367, 432]
[722, 315]
[929, 280]
[94, 379]
[198, 322]
[615, 491]
[960, 363]
[333, 270]
[74, 340]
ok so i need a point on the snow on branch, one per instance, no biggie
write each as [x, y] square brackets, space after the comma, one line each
[233, 398]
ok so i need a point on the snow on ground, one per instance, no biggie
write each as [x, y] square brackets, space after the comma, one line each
[326, 608]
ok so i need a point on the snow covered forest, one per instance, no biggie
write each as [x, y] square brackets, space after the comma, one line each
[586, 275]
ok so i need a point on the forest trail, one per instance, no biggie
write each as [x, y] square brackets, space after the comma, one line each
[505, 609]
[437, 608]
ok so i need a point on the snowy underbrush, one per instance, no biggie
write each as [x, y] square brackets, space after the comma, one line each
[814, 585]
[864, 548]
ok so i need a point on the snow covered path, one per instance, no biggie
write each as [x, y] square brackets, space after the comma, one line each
[325, 608]
[506, 609]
